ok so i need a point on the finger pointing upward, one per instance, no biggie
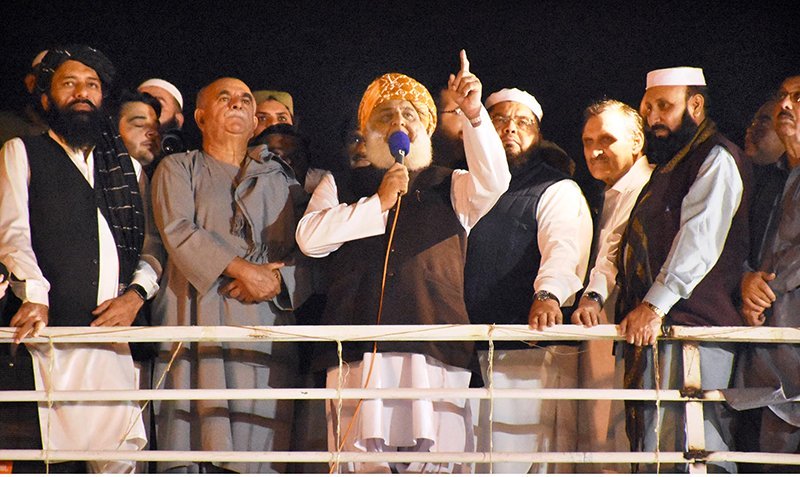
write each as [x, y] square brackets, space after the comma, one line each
[464, 62]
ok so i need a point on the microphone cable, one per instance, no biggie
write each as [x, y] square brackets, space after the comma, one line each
[377, 322]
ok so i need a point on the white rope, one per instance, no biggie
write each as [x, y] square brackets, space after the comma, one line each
[49, 390]
[657, 377]
[568, 394]
[331, 334]
[339, 334]
[490, 372]
[433, 457]
[339, 406]
[147, 402]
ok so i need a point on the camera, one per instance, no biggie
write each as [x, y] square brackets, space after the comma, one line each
[172, 141]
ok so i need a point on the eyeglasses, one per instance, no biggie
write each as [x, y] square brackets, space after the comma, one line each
[526, 124]
[793, 96]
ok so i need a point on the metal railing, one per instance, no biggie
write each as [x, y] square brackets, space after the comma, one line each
[696, 458]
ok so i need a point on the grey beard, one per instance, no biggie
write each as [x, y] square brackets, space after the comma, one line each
[420, 155]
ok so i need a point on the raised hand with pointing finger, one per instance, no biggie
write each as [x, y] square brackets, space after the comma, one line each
[467, 88]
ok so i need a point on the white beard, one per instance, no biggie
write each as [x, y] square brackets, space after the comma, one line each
[419, 156]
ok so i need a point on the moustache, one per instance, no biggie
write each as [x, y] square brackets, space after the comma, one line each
[82, 101]
[785, 114]
[659, 127]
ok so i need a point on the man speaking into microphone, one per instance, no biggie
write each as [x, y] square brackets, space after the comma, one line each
[396, 233]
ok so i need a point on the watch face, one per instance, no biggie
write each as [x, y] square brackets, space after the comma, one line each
[543, 295]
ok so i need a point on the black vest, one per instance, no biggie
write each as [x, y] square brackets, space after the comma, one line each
[712, 300]
[425, 278]
[63, 221]
[503, 255]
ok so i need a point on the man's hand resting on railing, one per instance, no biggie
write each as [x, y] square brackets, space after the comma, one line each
[29, 320]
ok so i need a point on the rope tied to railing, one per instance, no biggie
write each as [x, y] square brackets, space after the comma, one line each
[51, 396]
[490, 369]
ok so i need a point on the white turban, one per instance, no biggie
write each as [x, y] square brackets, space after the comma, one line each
[518, 96]
[165, 85]
[678, 76]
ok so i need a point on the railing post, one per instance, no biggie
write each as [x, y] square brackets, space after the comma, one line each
[692, 386]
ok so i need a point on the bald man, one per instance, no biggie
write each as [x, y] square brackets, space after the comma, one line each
[234, 208]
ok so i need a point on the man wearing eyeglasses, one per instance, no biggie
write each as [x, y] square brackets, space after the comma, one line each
[771, 294]
[526, 259]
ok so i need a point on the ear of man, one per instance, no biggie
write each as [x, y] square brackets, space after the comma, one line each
[199, 118]
[696, 105]
[638, 144]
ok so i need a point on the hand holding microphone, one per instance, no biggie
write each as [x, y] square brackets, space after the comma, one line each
[395, 181]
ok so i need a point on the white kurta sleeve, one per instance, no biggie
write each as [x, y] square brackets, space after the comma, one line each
[327, 224]
[16, 251]
[565, 238]
[706, 215]
[475, 192]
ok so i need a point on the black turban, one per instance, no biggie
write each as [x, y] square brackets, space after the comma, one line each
[87, 55]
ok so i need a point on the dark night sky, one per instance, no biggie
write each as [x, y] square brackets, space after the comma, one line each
[325, 53]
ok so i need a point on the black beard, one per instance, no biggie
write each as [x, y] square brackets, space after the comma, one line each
[79, 129]
[662, 150]
[517, 162]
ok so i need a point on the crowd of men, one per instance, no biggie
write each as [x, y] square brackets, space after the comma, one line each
[107, 219]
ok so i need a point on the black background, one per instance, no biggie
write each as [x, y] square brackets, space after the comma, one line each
[326, 53]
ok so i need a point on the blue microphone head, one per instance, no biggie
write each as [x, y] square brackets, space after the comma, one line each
[399, 145]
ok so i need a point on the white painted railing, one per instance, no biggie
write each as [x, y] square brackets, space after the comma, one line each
[689, 335]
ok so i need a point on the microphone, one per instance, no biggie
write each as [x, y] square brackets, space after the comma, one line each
[399, 145]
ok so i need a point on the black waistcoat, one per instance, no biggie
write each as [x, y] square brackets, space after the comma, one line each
[63, 220]
[425, 277]
[503, 254]
[712, 300]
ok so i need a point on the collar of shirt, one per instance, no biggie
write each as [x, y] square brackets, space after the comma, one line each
[638, 173]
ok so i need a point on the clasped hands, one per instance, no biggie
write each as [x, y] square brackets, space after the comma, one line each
[757, 296]
[251, 282]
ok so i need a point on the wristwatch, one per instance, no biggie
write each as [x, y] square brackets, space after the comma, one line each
[658, 311]
[138, 289]
[594, 296]
[543, 295]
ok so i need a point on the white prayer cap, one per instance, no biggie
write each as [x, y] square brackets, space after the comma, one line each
[38, 58]
[678, 76]
[518, 96]
[165, 85]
